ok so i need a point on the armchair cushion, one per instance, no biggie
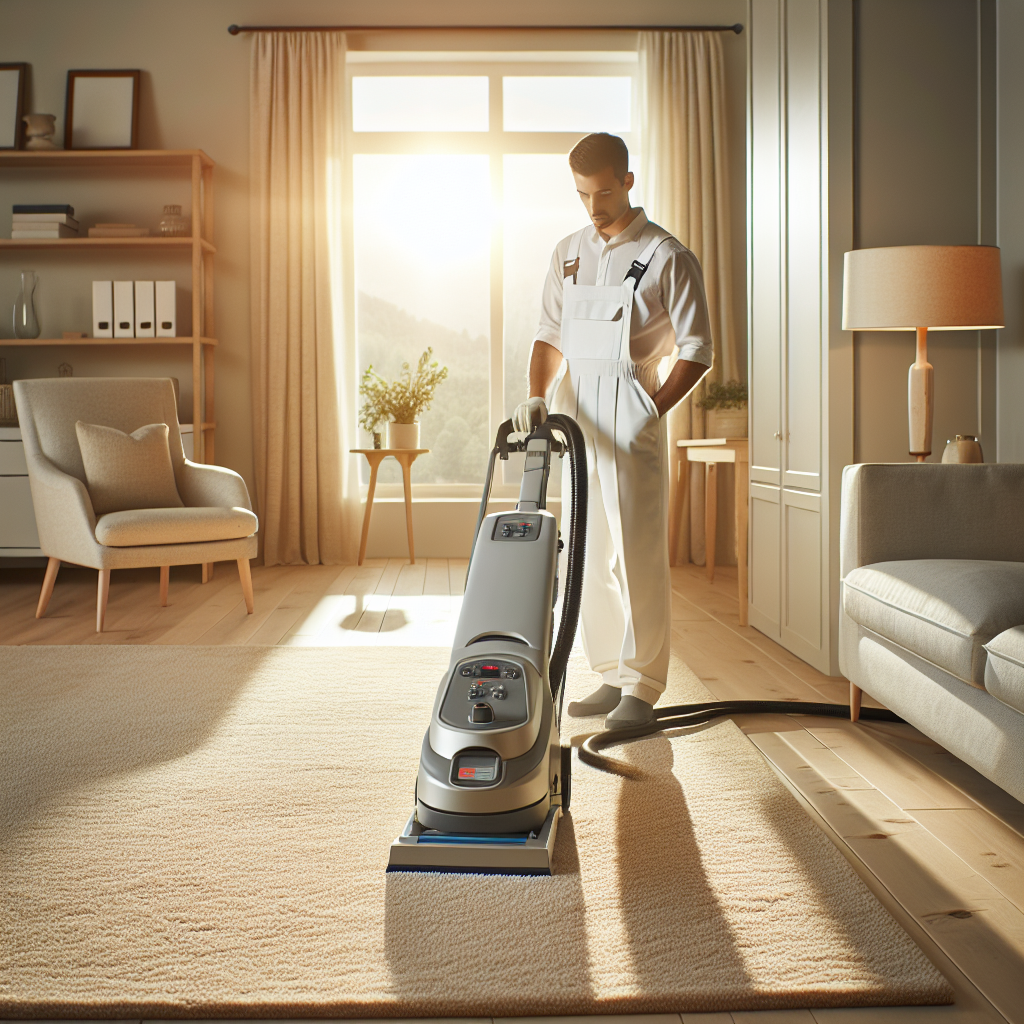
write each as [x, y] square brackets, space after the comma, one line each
[1004, 671]
[148, 526]
[943, 609]
[127, 471]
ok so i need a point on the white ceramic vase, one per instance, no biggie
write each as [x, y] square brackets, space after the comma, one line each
[727, 422]
[403, 435]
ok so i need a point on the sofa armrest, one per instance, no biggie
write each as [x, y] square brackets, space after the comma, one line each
[64, 514]
[212, 486]
[895, 511]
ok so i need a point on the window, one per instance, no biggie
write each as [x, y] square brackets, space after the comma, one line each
[460, 191]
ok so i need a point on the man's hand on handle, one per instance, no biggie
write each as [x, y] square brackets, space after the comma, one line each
[529, 414]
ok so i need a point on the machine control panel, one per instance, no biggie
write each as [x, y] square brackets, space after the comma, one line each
[517, 527]
[486, 693]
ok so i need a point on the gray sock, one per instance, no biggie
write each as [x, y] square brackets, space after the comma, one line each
[604, 699]
[631, 711]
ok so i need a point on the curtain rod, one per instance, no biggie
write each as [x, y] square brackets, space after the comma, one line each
[236, 29]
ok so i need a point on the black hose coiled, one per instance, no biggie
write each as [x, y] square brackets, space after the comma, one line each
[682, 715]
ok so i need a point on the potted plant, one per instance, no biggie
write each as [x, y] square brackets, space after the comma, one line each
[401, 401]
[726, 408]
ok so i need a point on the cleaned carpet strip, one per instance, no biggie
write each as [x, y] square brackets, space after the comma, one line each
[203, 832]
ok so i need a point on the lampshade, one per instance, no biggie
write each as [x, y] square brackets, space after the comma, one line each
[942, 287]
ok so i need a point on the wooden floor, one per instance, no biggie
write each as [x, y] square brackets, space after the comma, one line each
[941, 846]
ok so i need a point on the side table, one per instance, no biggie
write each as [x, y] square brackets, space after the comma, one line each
[712, 451]
[405, 458]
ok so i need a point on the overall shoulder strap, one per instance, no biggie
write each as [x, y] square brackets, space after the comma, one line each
[643, 261]
[572, 264]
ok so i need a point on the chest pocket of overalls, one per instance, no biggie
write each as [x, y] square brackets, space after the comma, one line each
[592, 326]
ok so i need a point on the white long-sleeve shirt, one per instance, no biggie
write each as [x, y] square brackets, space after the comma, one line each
[670, 309]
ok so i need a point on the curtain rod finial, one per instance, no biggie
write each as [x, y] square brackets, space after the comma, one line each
[234, 30]
[737, 28]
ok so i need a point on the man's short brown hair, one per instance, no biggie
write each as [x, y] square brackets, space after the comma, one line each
[596, 152]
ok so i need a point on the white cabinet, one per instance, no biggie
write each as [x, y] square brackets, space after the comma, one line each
[799, 225]
[18, 537]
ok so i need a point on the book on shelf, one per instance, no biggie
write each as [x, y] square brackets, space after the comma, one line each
[118, 231]
[43, 231]
[43, 208]
[20, 220]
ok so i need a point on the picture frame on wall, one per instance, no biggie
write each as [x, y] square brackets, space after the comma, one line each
[101, 110]
[12, 105]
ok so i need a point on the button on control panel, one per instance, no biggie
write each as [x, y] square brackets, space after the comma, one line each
[491, 692]
[517, 527]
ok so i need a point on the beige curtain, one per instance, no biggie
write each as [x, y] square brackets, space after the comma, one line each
[685, 167]
[306, 493]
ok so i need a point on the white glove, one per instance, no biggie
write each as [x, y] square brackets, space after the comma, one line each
[529, 414]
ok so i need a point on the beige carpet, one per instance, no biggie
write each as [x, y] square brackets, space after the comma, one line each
[203, 832]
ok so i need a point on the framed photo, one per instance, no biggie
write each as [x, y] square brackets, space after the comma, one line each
[102, 110]
[12, 105]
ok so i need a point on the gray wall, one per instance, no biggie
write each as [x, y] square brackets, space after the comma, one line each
[195, 93]
[925, 173]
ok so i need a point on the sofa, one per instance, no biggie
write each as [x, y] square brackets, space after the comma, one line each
[931, 620]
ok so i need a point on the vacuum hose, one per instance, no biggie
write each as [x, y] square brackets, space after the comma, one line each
[682, 715]
[573, 588]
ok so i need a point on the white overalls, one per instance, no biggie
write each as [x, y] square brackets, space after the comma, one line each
[626, 613]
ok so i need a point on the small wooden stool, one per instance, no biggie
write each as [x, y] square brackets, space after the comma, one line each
[375, 456]
[712, 451]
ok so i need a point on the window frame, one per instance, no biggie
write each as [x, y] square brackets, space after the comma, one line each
[494, 143]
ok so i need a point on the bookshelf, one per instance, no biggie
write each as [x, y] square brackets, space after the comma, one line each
[199, 247]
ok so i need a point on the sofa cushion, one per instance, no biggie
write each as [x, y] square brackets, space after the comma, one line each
[1004, 670]
[943, 609]
[127, 471]
[144, 526]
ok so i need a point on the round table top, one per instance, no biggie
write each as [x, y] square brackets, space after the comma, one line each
[390, 451]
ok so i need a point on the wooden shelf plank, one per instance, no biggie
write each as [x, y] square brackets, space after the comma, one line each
[103, 341]
[104, 158]
[104, 243]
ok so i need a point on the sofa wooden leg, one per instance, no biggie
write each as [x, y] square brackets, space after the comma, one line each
[102, 591]
[855, 692]
[207, 571]
[246, 577]
[49, 579]
[165, 580]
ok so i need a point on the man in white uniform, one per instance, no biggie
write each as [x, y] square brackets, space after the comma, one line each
[618, 299]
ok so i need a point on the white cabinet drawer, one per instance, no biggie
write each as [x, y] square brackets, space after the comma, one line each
[12, 458]
[17, 517]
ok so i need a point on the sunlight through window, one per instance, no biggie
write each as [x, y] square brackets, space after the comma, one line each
[564, 104]
[414, 103]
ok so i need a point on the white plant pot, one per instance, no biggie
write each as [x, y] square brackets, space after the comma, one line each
[403, 435]
[727, 422]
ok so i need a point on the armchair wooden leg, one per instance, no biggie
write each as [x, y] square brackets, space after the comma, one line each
[102, 591]
[49, 579]
[165, 579]
[246, 577]
[855, 692]
[207, 571]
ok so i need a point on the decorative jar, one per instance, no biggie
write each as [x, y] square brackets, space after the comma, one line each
[173, 224]
[727, 422]
[963, 448]
[26, 324]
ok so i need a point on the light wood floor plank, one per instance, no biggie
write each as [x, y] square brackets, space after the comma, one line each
[436, 579]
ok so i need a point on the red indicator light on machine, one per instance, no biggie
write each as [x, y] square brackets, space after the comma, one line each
[467, 773]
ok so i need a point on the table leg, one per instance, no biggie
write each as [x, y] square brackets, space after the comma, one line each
[677, 506]
[742, 468]
[374, 466]
[710, 518]
[406, 462]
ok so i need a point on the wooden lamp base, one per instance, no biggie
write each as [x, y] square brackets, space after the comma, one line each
[920, 398]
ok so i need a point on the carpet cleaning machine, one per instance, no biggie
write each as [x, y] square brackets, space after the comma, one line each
[494, 777]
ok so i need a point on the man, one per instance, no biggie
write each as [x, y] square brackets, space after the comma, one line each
[617, 300]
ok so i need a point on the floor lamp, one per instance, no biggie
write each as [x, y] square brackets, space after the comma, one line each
[922, 287]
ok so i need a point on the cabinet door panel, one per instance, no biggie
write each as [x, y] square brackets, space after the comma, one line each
[764, 226]
[804, 248]
[803, 575]
[764, 558]
[17, 517]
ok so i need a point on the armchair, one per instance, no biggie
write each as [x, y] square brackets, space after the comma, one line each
[215, 524]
